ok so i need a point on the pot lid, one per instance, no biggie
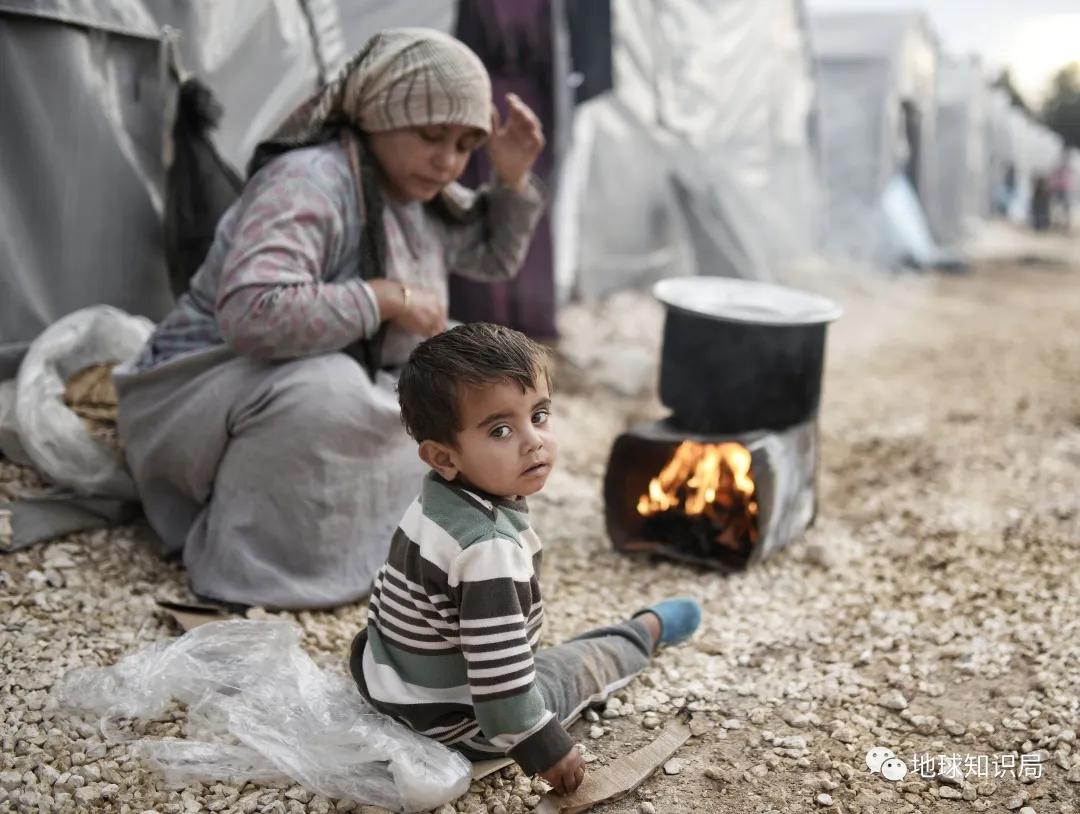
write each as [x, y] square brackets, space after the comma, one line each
[748, 301]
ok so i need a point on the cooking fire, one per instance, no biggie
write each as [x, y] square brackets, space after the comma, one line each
[704, 497]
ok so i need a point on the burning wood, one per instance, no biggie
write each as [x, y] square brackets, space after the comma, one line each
[703, 501]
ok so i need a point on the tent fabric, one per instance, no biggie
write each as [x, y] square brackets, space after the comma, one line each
[86, 101]
[878, 114]
[116, 16]
[1001, 152]
[1025, 146]
[1041, 146]
[327, 36]
[963, 161]
[701, 158]
[260, 59]
[360, 19]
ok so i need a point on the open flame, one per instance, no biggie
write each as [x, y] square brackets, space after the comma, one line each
[710, 480]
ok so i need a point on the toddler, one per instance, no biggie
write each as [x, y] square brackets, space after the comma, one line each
[450, 648]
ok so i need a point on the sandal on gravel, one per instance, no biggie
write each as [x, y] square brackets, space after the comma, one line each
[679, 618]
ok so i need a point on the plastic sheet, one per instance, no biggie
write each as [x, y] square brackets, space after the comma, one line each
[53, 437]
[906, 229]
[259, 709]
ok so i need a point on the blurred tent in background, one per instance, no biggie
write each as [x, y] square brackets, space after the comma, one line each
[878, 113]
[702, 159]
[963, 161]
[739, 136]
[1040, 150]
[86, 101]
[1020, 150]
[1001, 150]
[1074, 168]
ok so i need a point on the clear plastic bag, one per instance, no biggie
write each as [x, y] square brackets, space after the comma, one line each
[259, 709]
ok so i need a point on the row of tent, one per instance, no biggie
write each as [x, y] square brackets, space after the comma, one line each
[739, 136]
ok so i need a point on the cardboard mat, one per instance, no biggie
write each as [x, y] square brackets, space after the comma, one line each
[621, 776]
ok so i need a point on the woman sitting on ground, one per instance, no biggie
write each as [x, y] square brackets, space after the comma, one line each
[260, 421]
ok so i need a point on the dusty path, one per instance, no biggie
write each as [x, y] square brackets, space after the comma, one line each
[942, 577]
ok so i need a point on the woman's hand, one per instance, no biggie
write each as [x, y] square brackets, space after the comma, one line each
[566, 775]
[423, 314]
[515, 144]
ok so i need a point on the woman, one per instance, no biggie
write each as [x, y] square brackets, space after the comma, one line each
[260, 421]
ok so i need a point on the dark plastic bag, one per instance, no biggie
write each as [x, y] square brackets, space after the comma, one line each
[199, 185]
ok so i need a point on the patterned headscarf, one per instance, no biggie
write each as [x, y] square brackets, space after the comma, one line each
[402, 77]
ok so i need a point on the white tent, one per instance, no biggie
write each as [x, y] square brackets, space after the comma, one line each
[263, 59]
[260, 59]
[108, 66]
[1042, 147]
[878, 114]
[86, 100]
[1014, 156]
[1025, 146]
[360, 19]
[1001, 148]
[701, 158]
[963, 163]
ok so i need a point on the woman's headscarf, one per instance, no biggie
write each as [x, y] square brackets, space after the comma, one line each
[402, 77]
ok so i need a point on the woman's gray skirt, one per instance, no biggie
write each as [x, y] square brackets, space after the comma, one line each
[281, 482]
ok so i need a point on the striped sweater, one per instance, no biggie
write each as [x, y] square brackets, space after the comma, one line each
[454, 620]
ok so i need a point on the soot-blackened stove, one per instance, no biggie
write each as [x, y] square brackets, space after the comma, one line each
[704, 485]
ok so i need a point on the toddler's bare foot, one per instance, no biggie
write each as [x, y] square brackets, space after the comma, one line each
[652, 624]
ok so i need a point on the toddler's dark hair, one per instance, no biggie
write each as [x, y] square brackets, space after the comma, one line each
[474, 355]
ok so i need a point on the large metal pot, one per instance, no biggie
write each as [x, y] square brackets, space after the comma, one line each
[740, 356]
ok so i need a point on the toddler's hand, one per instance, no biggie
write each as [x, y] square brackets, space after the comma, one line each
[567, 774]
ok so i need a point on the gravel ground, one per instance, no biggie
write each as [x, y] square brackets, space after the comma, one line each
[932, 609]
